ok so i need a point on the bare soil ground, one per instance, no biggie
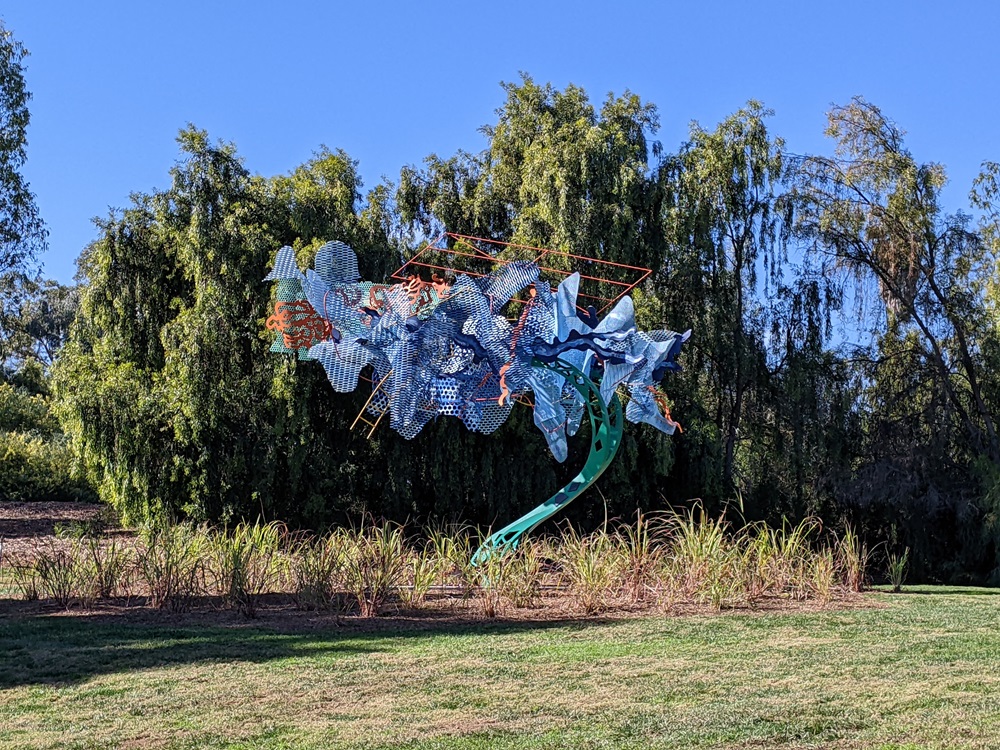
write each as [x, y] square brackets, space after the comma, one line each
[23, 525]
[20, 520]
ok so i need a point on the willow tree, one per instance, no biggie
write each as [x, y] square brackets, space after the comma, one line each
[557, 172]
[166, 386]
[919, 278]
[22, 233]
[723, 216]
[875, 211]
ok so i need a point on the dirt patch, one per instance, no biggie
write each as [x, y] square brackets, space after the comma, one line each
[444, 613]
[23, 526]
[20, 520]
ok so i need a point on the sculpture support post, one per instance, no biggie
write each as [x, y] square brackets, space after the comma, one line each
[605, 438]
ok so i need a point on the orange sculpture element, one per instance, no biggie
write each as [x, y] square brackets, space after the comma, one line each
[419, 290]
[515, 335]
[299, 325]
[661, 400]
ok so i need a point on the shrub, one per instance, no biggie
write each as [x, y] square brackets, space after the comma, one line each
[39, 468]
[106, 560]
[25, 412]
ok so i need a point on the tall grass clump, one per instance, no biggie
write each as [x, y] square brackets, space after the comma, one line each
[898, 565]
[454, 547]
[852, 559]
[823, 574]
[793, 563]
[590, 567]
[244, 564]
[424, 568]
[61, 576]
[105, 562]
[316, 567]
[642, 551]
[706, 562]
[492, 571]
[710, 563]
[510, 578]
[25, 578]
[23, 574]
[523, 580]
[110, 561]
[170, 562]
[374, 565]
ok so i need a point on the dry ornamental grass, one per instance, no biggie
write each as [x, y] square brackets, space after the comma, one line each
[658, 563]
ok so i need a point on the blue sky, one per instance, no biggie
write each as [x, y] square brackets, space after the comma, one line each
[391, 82]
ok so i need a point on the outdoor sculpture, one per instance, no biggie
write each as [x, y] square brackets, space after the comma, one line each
[442, 347]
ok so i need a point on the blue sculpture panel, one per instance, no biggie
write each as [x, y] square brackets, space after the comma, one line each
[440, 349]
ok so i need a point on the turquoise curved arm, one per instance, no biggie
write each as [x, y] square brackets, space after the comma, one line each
[606, 437]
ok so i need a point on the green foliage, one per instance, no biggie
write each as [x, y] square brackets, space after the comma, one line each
[36, 468]
[22, 233]
[36, 460]
[44, 322]
[928, 397]
[111, 564]
[21, 411]
[167, 387]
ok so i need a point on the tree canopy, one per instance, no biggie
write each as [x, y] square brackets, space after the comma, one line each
[22, 233]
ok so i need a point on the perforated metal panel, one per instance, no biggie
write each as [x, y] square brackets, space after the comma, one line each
[445, 349]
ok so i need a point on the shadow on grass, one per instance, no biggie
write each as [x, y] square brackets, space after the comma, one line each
[40, 645]
[936, 590]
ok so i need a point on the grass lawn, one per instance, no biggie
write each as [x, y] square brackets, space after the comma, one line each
[918, 670]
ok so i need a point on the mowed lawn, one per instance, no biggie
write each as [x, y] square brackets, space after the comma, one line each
[917, 670]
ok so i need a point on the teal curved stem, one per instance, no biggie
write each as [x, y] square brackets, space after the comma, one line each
[606, 436]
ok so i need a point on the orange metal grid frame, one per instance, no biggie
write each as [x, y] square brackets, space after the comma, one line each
[635, 274]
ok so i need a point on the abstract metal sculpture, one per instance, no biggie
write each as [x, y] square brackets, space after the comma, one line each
[443, 346]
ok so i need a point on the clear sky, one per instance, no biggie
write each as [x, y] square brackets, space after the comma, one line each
[391, 82]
